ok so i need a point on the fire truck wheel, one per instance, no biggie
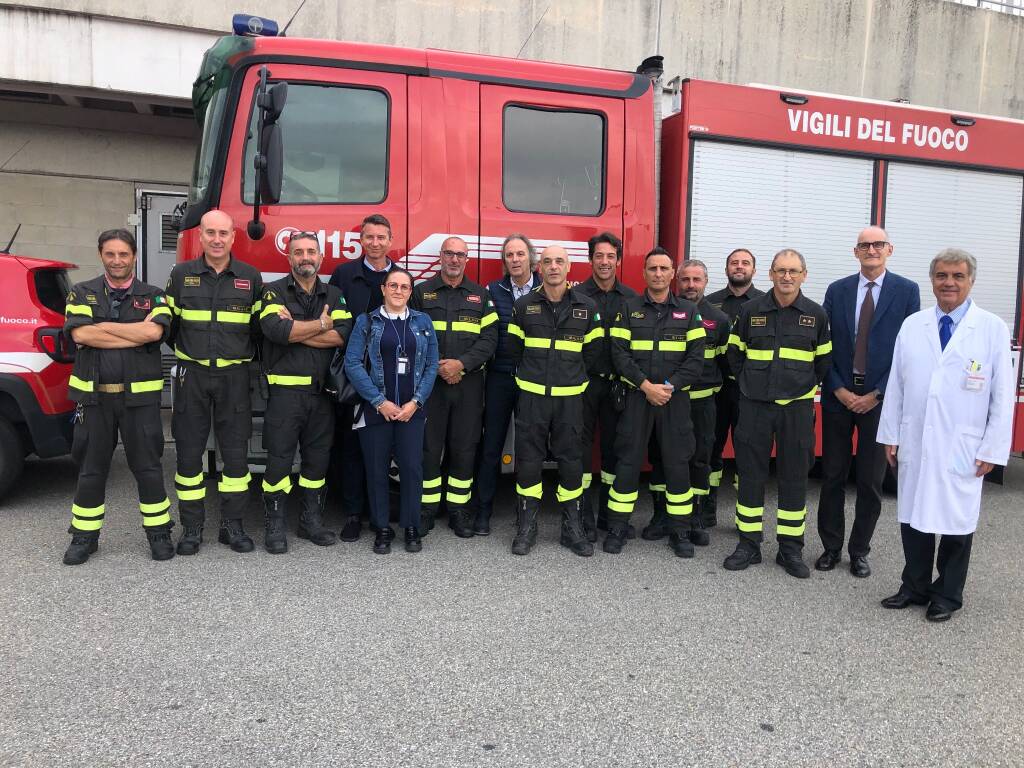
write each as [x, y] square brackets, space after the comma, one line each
[12, 456]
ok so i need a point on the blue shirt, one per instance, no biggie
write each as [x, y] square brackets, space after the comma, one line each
[956, 316]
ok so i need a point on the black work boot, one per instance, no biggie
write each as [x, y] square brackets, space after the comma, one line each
[160, 545]
[426, 522]
[698, 534]
[679, 540]
[526, 525]
[233, 534]
[709, 508]
[351, 529]
[482, 521]
[588, 516]
[791, 559]
[746, 554]
[573, 534]
[83, 544]
[311, 524]
[192, 516]
[615, 539]
[275, 531]
[458, 521]
[658, 527]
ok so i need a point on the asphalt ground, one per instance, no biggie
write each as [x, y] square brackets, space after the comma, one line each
[465, 655]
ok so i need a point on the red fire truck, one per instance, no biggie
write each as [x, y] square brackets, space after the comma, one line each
[316, 134]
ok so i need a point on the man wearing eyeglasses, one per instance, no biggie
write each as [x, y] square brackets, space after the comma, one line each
[779, 350]
[866, 312]
[465, 323]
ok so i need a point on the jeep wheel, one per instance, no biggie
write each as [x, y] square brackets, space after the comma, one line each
[12, 456]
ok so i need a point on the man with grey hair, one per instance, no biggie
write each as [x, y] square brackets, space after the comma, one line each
[946, 421]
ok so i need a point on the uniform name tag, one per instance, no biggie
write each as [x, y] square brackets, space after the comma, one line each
[243, 308]
[678, 315]
[577, 339]
[533, 309]
[243, 285]
[710, 324]
[758, 321]
[807, 321]
[469, 319]
[192, 281]
[473, 298]
[429, 296]
[638, 315]
[90, 298]
[141, 303]
[974, 382]
[580, 314]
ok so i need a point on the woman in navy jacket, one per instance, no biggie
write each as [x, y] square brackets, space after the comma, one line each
[391, 361]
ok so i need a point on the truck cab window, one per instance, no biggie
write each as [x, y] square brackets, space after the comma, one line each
[335, 145]
[553, 161]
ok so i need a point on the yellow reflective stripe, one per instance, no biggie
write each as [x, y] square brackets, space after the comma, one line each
[715, 478]
[671, 346]
[564, 494]
[746, 527]
[619, 496]
[529, 386]
[78, 309]
[737, 342]
[537, 342]
[440, 325]
[152, 385]
[722, 349]
[171, 303]
[642, 344]
[434, 482]
[679, 498]
[289, 381]
[656, 487]
[624, 507]
[579, 389]
[192, 495]
[515, 330]
[808, 396]
[80, 384]
[283, 485]
[587, 480]
[457, 498]
[620, 333]
[196, 315]
[760, 354]
[305, 482]
[823, 349]
[710, 352]
[88, 512]
[232, 317]
[234, 484]
[790, 530]
[340, 314]
[257, 307]
[188, 481]
[431, 498]
[87, 518]
[788, 353]
[700, 492]
[607, 477]
[695, 333]
[749, 511]
[679, 510]
[182, 356]
[456, 482]
[697, 394]
[486, 320]
[569, 346]
[533, 491]
[225, 363]
[791, 514]
[155, 508]
[271, 309]
[161, 311]
[538, 389]
[150, 521]
[465, 327]
[593, 333]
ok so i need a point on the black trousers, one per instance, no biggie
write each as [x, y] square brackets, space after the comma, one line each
[454, 413]
[837, 428]
[540, 420]
[347, 473]
[220, 396]
[403, 441]
[599, 414]
[303, 420]
[92, 448]
[954, 556]
[702, 416]
[727, 414]
[790, 428]
[500, 396]
[671, 428]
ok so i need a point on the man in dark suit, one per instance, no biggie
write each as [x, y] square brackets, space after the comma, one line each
[865, 312]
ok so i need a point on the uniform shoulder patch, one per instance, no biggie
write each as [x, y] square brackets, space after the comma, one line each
[581, 314]
[71, 297]
[807, 321]
[758, 321]
[268, 295]
[192, 281]
[533, 309]
[709, 324]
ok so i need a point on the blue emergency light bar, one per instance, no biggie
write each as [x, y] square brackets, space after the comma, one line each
[253, 26]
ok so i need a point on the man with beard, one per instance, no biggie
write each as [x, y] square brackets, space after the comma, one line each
[740, 268]
[303, 320]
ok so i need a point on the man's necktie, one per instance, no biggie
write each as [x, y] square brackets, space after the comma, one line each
[860, 349]
[945, 329]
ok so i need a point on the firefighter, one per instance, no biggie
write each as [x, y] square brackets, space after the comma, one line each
[551, 340]
[216, 303]
[118, 323]
[303, 321]
[658, 349]
[740, 268]
[610, 295]
[691, 280]
[779, 351]
[464, 321]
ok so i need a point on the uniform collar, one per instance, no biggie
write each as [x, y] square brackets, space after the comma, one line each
[801, 303]
[592, 283]
[319, 287]
[670, 301]
[200, 265]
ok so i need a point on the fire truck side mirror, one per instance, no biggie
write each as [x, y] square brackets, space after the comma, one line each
[271, 172]
[269, 159]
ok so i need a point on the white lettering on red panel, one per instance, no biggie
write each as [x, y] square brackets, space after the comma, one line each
[876, 130]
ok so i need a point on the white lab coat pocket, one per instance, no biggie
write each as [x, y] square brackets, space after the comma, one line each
[964, 451]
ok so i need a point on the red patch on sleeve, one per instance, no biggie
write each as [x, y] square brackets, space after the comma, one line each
[710, 324]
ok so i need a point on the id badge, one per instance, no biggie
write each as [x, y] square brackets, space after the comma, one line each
[403, 365]
[974, 382]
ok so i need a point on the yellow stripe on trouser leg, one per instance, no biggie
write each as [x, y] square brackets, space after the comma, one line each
[230, 484]
[155, 514]
[749, 519]
[87, 518]
[791, 522]
[622, 502]
[281, 486]
[699, 491]
[431, 490]
[305, 482]
[679, 504]
[588, 478]
[564, 494]
[656, 487]
[458, 490]
[607, 477]
[715, 478]
[533, 491]
[190, 488]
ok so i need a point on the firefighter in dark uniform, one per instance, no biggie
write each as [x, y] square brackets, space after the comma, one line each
[216, 304]
[118, 323]
[304, 321]
[552, 340]
[465, 322]
[740, 268]
[658, 349]
[779, 351]
[691, 279]
[598, 404]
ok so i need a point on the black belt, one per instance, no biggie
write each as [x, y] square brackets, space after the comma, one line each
[858, 380]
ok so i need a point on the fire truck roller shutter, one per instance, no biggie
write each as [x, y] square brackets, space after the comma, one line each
[767, 199]
[928, 208]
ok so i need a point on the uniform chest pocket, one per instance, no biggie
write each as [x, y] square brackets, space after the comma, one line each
[466, 322]
[760, 346]
[797, 348]
[233, 314]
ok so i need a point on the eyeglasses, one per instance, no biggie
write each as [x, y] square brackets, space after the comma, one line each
[787, 272]
[403, 287]
[877, 245]
[455, 254]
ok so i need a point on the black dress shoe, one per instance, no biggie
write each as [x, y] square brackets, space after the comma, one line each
[350, 531]
[938, 613]
[901, 600]
[412, 540]
[829, 559]
[859, 567]
[382, 541]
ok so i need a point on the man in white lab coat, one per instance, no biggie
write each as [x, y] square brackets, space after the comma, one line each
[946, 421]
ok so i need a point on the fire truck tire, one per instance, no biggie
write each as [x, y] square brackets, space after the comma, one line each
[12, 456]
